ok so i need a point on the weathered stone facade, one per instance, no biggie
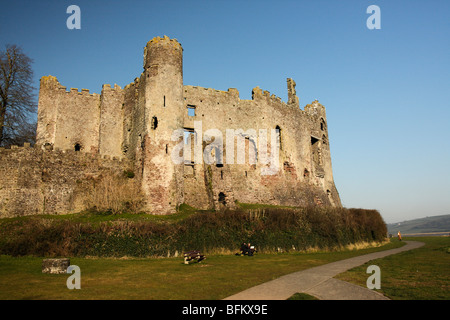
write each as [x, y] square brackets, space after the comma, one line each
[150, 123]
[36, 181]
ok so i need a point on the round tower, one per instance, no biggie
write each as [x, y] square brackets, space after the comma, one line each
[164, 106]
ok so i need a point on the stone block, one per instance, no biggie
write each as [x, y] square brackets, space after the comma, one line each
[55, 266]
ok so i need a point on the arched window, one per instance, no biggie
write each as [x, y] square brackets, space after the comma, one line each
[278, 129]
[77, 147]
[222, 198]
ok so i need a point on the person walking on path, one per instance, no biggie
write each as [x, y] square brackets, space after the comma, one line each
[399, 236]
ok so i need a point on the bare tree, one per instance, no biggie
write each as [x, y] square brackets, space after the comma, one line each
[17, 97]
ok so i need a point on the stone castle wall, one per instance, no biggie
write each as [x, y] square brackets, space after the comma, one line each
[94, 122]
[37, 181]
[304, 176]
[137, 124]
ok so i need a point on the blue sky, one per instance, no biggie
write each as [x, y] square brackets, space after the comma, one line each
[386, 91]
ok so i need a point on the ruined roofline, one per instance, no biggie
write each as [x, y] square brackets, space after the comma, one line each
[258, 93]
[312, 108]
[229, 91]
[52, 80]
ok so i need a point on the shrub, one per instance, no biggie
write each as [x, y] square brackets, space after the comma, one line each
[115, 194]
[128, 174]
[270, 229]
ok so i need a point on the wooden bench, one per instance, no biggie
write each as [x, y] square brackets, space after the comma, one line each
[193, 256]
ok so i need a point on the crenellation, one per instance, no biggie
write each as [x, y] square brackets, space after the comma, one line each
[230, 91]
[131, 85]
[256, 93]
[234, 92]
[108, 87]
[165, 40]
[276, 99]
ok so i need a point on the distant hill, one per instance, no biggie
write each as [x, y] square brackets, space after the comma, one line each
[422, 225]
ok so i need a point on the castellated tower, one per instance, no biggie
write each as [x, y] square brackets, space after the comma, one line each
[162, 179]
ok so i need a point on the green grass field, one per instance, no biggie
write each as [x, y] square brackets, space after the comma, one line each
[420, 274]
[217, 277]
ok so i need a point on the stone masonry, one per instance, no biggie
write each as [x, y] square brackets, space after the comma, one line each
[155, 121]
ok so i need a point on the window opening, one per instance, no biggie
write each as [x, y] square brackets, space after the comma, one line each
[279, 136]
[322, 124]
[191, 111]
[222, 198]
[154, 123]
[189, 145]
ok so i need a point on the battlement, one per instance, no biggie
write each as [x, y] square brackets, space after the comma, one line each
[61, 154]
[231, 91]
[163, 41]
[314, 108]
[50, 82]
[49, 78]
[26, 145]
[132, 84]
[75, 91]
[258, 93]
[107, 87]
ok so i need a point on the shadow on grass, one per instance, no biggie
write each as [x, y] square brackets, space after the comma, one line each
[301, 296]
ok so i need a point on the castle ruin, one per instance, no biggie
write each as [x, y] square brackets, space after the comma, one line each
[153, 122]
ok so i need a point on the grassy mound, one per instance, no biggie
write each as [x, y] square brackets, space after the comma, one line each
[270, 229]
